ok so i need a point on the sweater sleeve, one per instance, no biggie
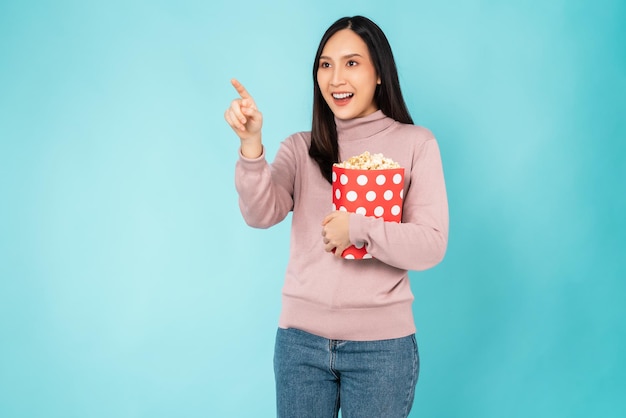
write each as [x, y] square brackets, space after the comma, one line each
[420, 241]
[266, 190]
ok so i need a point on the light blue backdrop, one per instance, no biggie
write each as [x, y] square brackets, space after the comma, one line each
[131, 287]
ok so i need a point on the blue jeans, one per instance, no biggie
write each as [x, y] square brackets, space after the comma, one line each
[316, 376]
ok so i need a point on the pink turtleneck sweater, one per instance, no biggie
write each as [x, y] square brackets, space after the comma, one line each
[343, 299]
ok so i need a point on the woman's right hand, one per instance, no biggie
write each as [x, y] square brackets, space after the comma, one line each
[246, 120]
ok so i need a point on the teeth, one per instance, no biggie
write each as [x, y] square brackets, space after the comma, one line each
[342, 95]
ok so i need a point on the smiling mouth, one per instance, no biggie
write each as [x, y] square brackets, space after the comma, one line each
[342, 96]
[342, 99]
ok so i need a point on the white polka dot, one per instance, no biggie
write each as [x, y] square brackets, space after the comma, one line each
[402, 194]
[381, 179]
[362, 180]
[388, 195]
[334, 176]
[379, 211]
[351, 196]
[359, 244]
[348, 257]
[397, 178]
[371, 196]
[334, 207]
[366, 256]
[343, 209]
[337, 194]
[395, 210]
[361, 211]
[343, 179]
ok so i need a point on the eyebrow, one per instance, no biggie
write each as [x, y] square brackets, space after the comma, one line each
[324, 57]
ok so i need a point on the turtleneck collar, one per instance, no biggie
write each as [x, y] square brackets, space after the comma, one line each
[360, 128]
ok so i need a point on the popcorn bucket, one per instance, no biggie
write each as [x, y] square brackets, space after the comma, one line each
[377, 193]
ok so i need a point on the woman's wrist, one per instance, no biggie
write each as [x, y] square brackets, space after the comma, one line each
[252, 148]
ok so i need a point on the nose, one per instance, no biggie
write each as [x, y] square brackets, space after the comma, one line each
[338, 78]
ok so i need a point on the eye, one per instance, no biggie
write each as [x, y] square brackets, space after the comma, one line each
[324, 64]
[352, 63]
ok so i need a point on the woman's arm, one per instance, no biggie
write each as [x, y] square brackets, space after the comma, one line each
[266, 190]
[420, 241]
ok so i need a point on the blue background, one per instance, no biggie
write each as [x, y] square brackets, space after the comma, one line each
[131, 287]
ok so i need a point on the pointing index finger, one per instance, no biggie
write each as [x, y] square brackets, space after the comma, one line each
[240, 89]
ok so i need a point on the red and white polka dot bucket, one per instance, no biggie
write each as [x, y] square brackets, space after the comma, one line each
[377, 193]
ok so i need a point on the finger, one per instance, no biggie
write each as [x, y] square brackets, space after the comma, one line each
[251, 113]
[248, 103]
[328, 218]
[240, 89]
[237, 110]
[233, 121]
[339, 252]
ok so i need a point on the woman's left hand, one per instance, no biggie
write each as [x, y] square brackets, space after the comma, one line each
[336, 232]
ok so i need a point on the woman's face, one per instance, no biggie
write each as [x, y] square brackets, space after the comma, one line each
[346, 76]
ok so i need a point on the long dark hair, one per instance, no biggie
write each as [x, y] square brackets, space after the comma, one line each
[324, 148]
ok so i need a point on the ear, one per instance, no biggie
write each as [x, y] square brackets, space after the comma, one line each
[378, 81]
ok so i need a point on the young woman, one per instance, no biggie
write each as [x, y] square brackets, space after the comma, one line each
[346, 334]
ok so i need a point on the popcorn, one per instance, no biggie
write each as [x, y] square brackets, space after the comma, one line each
[367, 161]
